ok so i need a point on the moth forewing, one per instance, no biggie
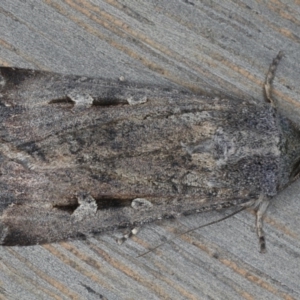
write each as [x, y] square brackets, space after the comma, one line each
[85, 155]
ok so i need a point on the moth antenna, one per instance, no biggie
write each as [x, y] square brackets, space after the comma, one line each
[193, 229]
[270, 76]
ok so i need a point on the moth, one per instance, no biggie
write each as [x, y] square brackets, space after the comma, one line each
[81, 156]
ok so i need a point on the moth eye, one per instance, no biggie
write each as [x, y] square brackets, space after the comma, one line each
[295, 170]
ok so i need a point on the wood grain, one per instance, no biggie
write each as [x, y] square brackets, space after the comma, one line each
[207, 46]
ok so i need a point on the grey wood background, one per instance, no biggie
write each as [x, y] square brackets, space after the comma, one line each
[216, 47]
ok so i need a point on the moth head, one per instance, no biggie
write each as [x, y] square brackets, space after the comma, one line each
[290, 152]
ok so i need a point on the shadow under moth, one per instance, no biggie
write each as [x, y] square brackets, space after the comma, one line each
[80, 156]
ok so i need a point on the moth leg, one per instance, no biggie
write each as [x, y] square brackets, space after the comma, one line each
[261, 205]
[259, 224]
[128, 234]
[270, 76]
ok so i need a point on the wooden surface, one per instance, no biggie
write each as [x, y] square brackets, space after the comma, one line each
[214, 47]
